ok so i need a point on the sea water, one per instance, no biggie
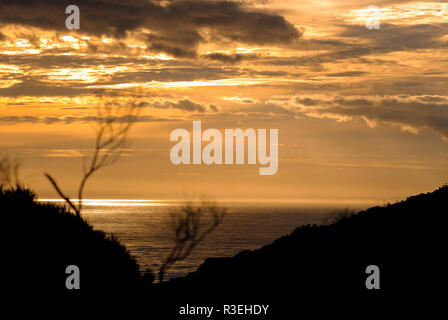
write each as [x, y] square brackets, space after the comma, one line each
[144, 228]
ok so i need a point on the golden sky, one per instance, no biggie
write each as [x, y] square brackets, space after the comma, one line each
[362, 113]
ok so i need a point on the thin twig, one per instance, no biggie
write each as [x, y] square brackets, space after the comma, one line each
[61, 194]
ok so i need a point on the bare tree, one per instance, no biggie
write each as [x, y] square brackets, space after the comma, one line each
[9, 170]
[113, 124]
[191, 224]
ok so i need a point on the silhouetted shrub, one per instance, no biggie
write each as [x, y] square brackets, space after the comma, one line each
[42, 239]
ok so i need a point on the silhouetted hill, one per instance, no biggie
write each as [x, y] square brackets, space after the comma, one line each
[41, 240]
[318, 264]
[314, 265]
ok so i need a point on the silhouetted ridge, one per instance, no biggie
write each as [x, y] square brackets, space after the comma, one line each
[406, 240]
[329, 262]
[43, 239]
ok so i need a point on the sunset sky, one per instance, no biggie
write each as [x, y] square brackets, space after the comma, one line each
[362, 113]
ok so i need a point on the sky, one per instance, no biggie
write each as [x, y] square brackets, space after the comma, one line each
[362, 113]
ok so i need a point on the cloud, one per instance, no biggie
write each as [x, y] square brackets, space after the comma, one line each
[393, 37]
[214, 108]
[346, 74]
[185, 105]
[33, 87]
[226, 58]
[411, 113]
[240, 100]
[172, 27]
[67, 119]
[64, 153]
[356, 42]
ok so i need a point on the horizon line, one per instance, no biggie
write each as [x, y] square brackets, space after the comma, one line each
[161, 202]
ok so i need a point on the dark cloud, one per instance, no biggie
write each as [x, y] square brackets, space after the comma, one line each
[172, 74]
[181, 43]
[185, 105]
[411, 113]
[33, 87]
[174, 28]
[389, 38]
[226, 58]
[161, 70]
[308, 101]
[346, 74]
[346, 45]
[214, 108]
[433, 99]
[54, 61]
[392, 37]
[67, 119]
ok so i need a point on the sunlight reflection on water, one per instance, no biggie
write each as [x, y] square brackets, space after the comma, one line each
[142, 227]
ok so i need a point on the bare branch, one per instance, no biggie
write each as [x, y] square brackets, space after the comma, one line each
[61, 194]
[9, 170]
[190, 226]
[111, 135]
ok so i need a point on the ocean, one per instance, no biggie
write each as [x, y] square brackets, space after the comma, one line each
[143, 227]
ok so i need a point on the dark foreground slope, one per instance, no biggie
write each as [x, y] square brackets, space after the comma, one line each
[40, 240]
[314, 265]
[320, 264]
